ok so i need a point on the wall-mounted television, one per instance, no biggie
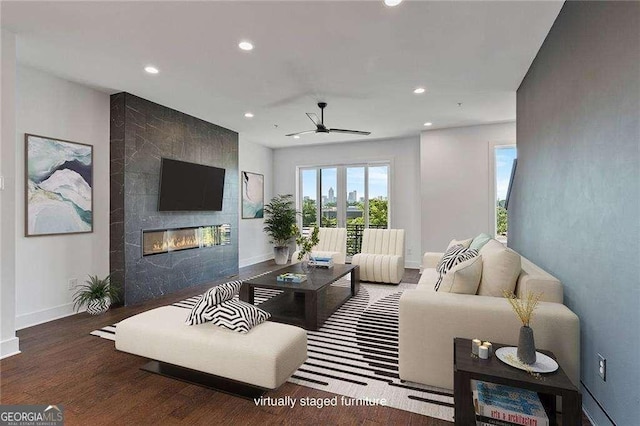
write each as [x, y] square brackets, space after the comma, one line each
[190, 187]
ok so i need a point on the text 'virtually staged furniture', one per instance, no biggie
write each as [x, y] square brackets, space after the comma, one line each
[430, 320]
[309, 303]
[381, 259]
[332, 243]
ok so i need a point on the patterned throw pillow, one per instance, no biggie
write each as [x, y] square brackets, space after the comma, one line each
[212, 297]
[238, 316]
[454, 255]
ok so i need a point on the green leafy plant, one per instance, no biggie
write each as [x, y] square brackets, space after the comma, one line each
[306, 244]
[96, 289]
[280, 218]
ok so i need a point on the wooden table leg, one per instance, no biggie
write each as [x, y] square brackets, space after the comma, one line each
[247, 293]
[571, 406]
[311, 310]
[464, 413]
[355, 281]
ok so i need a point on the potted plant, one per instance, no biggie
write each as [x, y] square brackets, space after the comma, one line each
[306, 244]
[280, 219]
[97, 294]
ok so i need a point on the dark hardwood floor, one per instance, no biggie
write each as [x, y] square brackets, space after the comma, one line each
[62, 364]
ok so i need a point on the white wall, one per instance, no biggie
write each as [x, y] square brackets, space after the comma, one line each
[8, 340]
[456, 181]
[404, 155]
[49, 106]
[253, 243]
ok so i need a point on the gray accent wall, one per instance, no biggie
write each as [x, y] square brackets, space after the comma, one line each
[575, 207]
[143, 132]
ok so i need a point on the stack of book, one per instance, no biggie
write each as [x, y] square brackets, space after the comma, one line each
[292, 278]
[507, 406]
[322, 262]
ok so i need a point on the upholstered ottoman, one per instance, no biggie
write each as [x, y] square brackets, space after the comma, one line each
[264, 357]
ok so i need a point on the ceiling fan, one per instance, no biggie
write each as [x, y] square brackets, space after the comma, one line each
[321, 128]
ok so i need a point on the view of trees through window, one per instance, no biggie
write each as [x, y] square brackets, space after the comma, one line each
[504, 156]
[355, 197]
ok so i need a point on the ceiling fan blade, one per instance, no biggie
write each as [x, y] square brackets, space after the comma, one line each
[301, 133]
[313, 117]
[351, 132]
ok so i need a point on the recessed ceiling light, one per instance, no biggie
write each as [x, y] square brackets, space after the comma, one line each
[296, 136]
[392, 3]
[248, 114]
[245, 45]
[418, 90]
[428, 123]
[151, 69]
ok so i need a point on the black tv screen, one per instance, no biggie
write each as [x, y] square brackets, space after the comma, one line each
[190, 187]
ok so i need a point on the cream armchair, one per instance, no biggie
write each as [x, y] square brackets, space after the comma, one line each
[382, 256]
[333, 244]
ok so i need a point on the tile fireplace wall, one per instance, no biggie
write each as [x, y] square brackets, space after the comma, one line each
[142, 132]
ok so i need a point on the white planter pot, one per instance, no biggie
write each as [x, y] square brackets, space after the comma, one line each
[99, 306]
[281, 255]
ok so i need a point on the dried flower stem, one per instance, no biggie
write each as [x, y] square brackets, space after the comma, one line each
[523, 307]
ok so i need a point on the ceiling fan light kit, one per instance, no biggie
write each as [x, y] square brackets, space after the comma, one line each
[321, 128]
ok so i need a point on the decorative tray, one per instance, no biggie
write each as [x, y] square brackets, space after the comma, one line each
[543, 364]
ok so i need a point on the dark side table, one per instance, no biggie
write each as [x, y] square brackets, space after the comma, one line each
[467, 368]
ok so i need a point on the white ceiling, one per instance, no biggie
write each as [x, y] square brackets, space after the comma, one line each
[361, 57]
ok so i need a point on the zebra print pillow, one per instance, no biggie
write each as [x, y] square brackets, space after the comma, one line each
[238, 316]
[212, 297]
[454, 255]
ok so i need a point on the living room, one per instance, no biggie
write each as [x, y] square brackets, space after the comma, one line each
[429, 103]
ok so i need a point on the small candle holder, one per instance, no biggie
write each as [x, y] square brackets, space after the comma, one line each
[489, 347]
[475, 344]
[483, 352]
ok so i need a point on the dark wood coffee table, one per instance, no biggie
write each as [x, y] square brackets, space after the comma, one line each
[467, 368]
[309, 303]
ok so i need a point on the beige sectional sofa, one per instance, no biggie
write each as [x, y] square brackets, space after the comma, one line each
[430, 320]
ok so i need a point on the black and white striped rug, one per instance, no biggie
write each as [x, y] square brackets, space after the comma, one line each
[355, 353]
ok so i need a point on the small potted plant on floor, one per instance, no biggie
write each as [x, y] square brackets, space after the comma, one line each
[97, 294]
[280, 219]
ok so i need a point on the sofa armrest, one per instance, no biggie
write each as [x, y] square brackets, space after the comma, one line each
[429, 321]
[551, 289]
[430, 260]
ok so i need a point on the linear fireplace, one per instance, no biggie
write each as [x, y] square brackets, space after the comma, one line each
[159, 241]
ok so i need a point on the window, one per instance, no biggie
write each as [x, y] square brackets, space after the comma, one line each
[347, 196]
[503, 156]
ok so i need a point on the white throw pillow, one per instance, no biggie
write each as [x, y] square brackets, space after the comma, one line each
[464, 278]
[501, 267]
[463, 243]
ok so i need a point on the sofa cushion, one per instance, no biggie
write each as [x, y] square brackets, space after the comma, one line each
[237, 315]
[210, 299]
[464, 278]
[463, 243]
[500, 269]
[479, 241]
[451, 258]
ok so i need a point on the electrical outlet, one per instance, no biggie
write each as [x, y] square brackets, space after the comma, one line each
[602, 367]
[409, 251]
[73, 283]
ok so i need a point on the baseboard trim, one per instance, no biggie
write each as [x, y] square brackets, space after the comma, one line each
[412, 264]
[586, 413]
[45, 315]
[255, 259]
[9, 347]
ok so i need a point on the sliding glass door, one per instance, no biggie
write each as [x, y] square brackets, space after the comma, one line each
[354, 196]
